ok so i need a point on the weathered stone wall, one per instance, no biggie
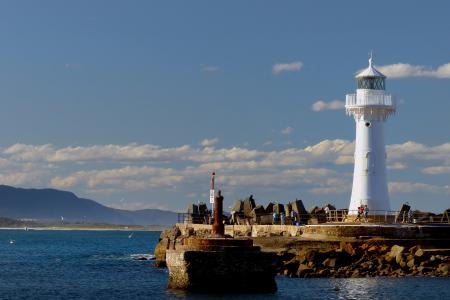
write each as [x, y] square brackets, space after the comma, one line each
[243, 230]
[326, 231]
[225, 270]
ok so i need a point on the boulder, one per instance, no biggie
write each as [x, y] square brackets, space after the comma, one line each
[160, 252]
[288, 209]
[347, 248]
[269, 208]
[310, 255]
[202, 208]
[249, 205]
[419, 253]
[237, 206]
[299, 208]
[329, 262]
[444, 268]
[304, 270]
[411, 263]
[396, 252]
[278, 208]
[192, 209]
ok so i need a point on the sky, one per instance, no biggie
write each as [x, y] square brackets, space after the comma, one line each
[135, 103]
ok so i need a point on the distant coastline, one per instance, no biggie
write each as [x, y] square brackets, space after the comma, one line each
[13, 224]
[89, 228]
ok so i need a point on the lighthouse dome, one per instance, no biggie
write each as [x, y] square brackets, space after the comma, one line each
[371, 78]
[370, 71]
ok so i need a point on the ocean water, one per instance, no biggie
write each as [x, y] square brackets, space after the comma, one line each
[100, 265]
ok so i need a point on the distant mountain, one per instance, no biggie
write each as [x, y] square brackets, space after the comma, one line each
[48, 205]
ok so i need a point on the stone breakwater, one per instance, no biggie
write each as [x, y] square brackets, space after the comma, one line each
[370, 259]
[336, 251]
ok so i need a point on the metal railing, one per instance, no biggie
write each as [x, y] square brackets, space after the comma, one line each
[376, 100]
[333, 216]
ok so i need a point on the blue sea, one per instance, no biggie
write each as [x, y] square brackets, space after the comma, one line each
[44, 264]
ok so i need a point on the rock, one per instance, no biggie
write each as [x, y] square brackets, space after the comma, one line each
[402, 264]
[423, 270]
[443, 268]
[410, 263]
[329, 262]
[290, 267]
[373, 249]
[323, 273]
[238, 206]
[348, 248]
[413, 249]
[419, 253]
[396, 252]
[384, 249]
[355, 273]
[310, 255]
[304, 270]
[160, 252]
[399, 259]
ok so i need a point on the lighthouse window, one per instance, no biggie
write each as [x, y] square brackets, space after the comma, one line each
[368, 124]
[371, 83]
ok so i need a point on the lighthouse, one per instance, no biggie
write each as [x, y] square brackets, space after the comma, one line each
[370, 106]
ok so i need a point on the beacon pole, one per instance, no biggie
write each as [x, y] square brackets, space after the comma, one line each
[212, 193]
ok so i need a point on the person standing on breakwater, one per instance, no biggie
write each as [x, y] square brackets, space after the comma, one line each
[366, 213]
[283, 218]
[410, 216]
[359, 215]
[327, 212]
[274, 218]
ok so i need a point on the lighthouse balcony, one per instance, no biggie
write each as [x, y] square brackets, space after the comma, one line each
[362, 100]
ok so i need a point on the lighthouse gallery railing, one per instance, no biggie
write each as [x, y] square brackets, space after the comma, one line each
[375, 100]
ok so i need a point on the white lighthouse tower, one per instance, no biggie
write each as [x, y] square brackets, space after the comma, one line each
[370, 107]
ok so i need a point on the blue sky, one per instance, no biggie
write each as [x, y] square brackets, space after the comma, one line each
[112, 99]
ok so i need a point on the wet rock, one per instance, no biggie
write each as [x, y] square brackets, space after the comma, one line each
[310, 255]
[160, 252]
[444, 268]
[419, 253]
[329, 262]
[410, 263]
[304, 270]
[413, 249]
[348, 248]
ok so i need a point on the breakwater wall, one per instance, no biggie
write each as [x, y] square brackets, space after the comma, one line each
[336, 250]
[327, 231]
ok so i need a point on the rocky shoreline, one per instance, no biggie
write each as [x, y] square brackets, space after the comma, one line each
[371, 259]
[337, 258]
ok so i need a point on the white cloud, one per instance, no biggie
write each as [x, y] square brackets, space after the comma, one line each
[22, 152]
[396, 166]
[332, 105]
[402, 70]
[322, 169]
[287, 131]
[413, 187]
[287, 67]
[129, 177]
[209, 142]
[436, 170]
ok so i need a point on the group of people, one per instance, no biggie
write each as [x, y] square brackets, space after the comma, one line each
[363, 212]
[281, 217]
